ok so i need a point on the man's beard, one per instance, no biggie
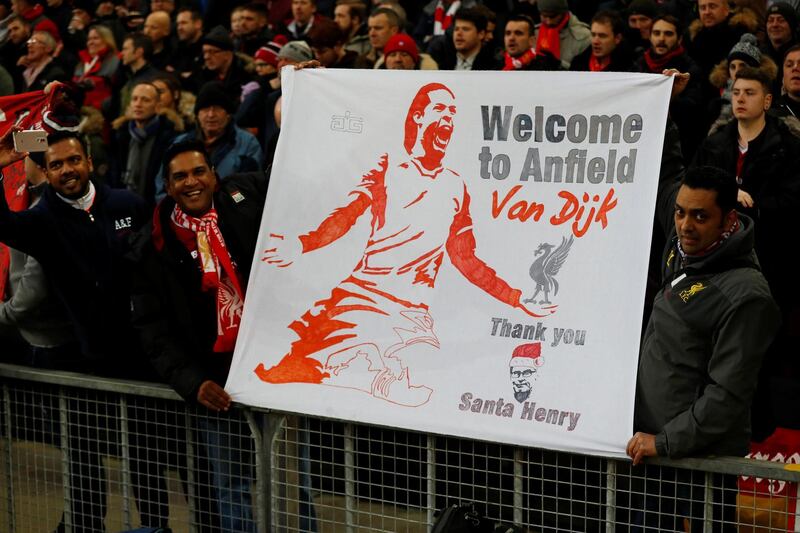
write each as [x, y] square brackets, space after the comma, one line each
[522, 395]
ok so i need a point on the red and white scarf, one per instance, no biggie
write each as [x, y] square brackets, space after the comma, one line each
[517, 63]
[442, 19]
[219, 273]
[549, 39]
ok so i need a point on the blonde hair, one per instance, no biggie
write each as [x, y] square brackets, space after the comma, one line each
[106, 35]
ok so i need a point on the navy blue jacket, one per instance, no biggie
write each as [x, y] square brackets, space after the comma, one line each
[82, 254]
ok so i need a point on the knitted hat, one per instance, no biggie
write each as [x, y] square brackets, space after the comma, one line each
[786, 11]
[268, 53]
[218, 37]
[213, 93]
[553, 6]
[401, 42]
[298, 51]
[648, 8]
[529, 355]
[746, 50]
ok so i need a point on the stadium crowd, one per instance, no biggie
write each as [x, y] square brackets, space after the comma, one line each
[174, 108]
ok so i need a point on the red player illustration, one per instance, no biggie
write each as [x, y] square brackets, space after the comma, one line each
[419, 212]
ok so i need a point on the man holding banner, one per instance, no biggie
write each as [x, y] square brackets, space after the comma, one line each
[703, 346]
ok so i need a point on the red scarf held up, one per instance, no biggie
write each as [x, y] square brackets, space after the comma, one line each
[219, 273]
[549, 39]
[657, 64]
[517, 63]
[442, 20]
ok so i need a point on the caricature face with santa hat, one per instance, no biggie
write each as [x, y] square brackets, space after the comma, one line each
[525, 361]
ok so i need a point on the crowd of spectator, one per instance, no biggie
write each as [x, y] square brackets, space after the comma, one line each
[173, 95]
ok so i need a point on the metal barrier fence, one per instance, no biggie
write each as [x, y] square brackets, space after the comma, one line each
[76, 448]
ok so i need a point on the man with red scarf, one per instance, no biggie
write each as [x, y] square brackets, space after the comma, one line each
[608, 52]
[561, 34]
[193, 262]
[687, 110]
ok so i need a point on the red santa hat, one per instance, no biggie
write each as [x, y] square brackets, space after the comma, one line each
[529, 355]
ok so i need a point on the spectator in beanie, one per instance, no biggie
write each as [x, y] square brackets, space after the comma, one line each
[745, 53]
[781, 24]
[221, 64]
[641, 14]
[561, 34]
[230, 148]
[257, 112]
[401, 53]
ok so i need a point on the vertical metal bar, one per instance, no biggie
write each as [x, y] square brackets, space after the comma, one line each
[261, 504]
[611, 495]
[519, 457]
[191, 495]
[9, 472]
[431, 475]
[280, 518]
[126, 461]
[708, 508]
[66, 481]
[349, 477]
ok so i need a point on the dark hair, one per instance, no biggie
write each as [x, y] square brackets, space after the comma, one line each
[523, 18]
[172, 83]
[60, 136]
[182, 147]
[140, 40]
[356, 9]
[418, 105]
[793, 48]
[325, 33]
[714, 179]
[391, 14]
[755, 74]
[670, 19]
[195, 13]
[474, 16]
[257, 8]
[486, 12]
[611, 18]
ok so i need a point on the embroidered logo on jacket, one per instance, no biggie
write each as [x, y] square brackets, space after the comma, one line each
[691, 291]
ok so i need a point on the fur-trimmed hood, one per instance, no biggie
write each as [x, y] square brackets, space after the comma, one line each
[719, 76]
[92, 121]
[740, 17]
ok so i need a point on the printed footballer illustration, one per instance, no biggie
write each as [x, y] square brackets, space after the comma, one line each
[377, 319]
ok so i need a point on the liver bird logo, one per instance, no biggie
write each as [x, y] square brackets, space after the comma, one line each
[545, 268]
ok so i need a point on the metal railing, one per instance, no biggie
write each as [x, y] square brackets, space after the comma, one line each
[78, 448]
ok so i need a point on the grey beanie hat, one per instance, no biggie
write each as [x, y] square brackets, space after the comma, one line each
[296, 51]
[552, 6]
[746, 50]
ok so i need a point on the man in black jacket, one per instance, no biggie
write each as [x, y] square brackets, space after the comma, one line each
[193, 265]
[77, 232]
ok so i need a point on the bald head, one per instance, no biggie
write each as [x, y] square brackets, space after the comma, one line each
[157, 27]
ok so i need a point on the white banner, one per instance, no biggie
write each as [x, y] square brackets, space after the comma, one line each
[458, 253]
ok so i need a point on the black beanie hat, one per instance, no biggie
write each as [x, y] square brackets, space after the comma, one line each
[220, 38]
[213, 93]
